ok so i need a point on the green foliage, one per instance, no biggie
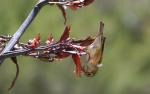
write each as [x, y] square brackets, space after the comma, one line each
[126, 62]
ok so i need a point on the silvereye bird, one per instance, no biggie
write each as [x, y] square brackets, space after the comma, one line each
[95, 52]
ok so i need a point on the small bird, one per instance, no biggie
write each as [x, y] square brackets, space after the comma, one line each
[95, 52]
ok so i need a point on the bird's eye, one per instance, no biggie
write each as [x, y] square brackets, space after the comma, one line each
[90, 74]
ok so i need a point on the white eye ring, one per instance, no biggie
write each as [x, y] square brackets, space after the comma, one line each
[81, 0]
[99, 65]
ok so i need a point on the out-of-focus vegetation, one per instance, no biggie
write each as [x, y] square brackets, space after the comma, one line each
[126, 62]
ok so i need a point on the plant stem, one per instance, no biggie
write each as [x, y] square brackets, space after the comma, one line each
[23, 27]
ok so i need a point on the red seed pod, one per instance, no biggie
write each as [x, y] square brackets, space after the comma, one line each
[49, 40]
[35, 42]
[76, 59]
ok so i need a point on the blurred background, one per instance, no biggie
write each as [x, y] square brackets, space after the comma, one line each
[126, 60]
